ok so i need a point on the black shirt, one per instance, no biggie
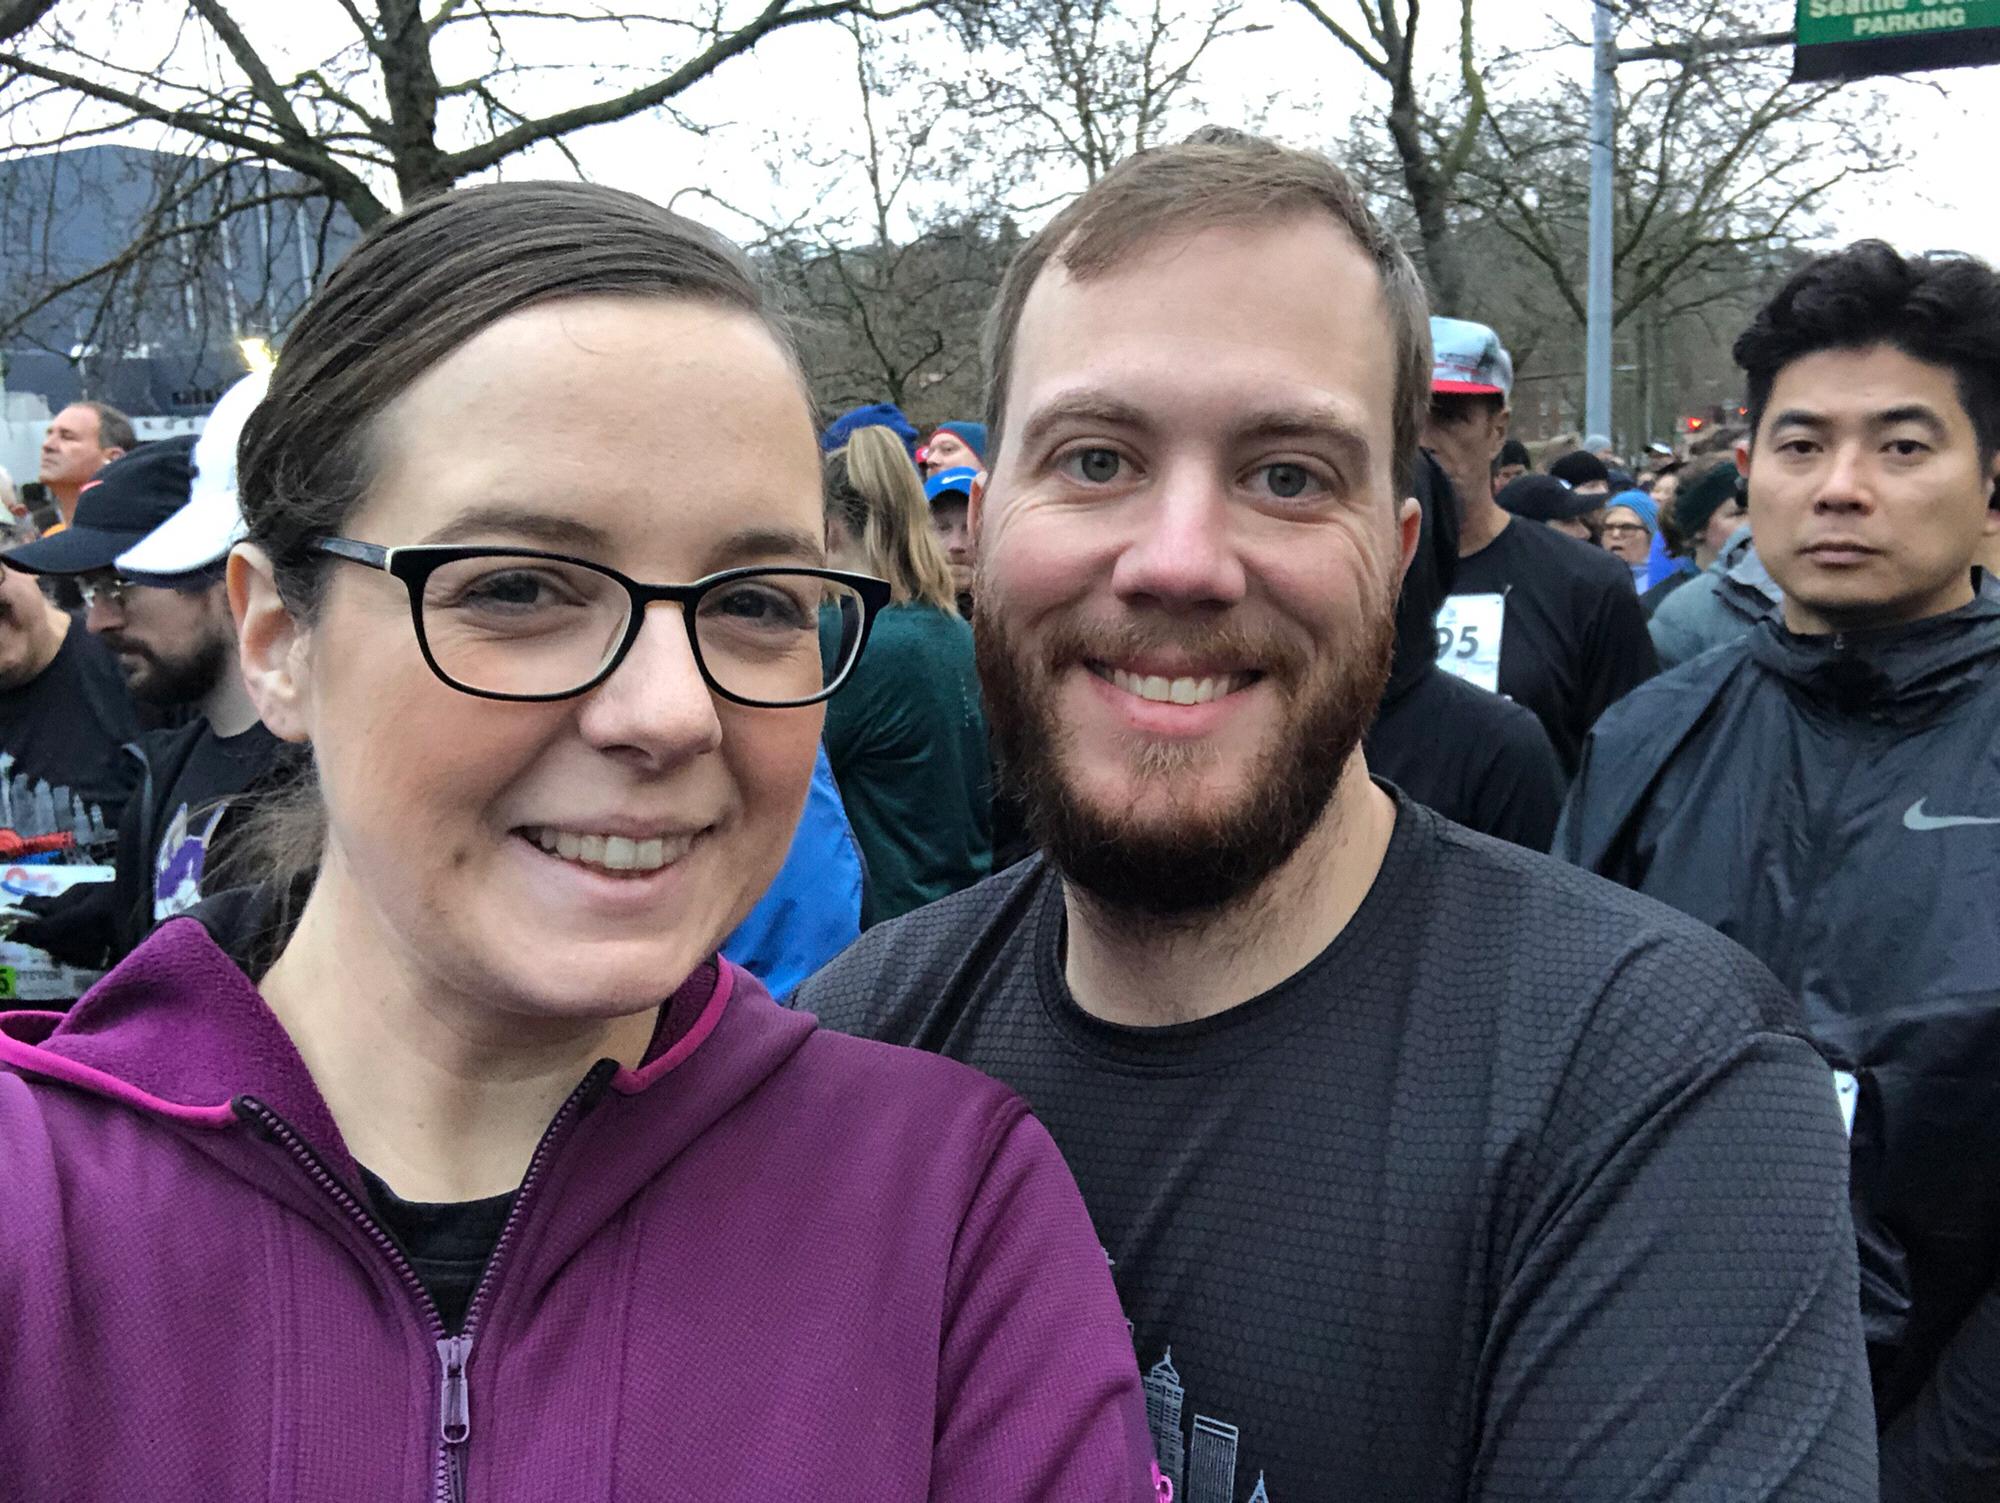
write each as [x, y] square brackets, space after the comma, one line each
[1573, 639]
[447, 1242]
[1524, 1188]
[1475, 757]
[62, 782]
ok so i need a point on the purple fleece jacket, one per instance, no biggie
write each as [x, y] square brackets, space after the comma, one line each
[771, 1263]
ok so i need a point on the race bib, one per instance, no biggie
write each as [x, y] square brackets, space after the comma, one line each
[1468, 633]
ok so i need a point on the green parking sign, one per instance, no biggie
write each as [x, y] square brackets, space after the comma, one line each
[1857, 38]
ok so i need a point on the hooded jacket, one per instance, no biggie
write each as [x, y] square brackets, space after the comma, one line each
[770, 1262]
[1832, 803]
[1719, 605]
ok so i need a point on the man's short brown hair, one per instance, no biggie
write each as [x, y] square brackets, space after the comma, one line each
[1217, 178]
[114, 429]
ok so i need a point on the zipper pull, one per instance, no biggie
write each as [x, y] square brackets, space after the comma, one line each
[454, 1403]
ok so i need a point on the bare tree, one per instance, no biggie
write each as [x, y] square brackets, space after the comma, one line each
[887, 290]
[1722, 165]
[384, 107]
[1433, 146]
[1060, 90]
[16, 16]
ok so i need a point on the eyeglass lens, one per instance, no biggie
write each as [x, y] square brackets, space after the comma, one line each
[534, 626]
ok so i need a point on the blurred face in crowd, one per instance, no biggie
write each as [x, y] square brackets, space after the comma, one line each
[572, 858]
[954, 532]
[173, 646]
[31, 627]
[1722, 526]
[1573, 527]
[1506, 472]
[1464, 433]
[1189, 551]
[72, 450]
[1665, 488]
[947, 451]
[1868, 492]
[1625, 536]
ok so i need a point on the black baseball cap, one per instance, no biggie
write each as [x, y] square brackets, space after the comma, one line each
[1544, 498]
[129, 498]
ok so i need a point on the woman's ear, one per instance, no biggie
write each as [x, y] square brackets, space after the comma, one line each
[270, 644]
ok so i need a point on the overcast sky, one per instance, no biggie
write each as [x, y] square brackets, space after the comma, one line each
[800, 85]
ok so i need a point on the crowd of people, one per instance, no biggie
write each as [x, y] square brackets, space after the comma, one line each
[1231, 932]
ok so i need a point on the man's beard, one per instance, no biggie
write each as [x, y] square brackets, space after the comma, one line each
[162, 681]
[1195, 858]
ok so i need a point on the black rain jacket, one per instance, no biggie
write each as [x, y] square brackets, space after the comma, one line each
[1833, 804]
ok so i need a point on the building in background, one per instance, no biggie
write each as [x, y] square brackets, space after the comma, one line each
[148, 280]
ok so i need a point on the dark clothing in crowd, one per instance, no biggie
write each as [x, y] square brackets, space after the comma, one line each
[1471, 755]
[1573, 639]
[62, 784]
[1833, 804]
[907, 739]
[1460, 1211]
[174, 842]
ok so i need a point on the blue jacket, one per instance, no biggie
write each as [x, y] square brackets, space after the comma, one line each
[812, 909]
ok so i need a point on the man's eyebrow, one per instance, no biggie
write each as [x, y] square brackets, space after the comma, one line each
[534, 523]
[1094, 408]
[1910, 412]
[1799, 417]
[1313, 424]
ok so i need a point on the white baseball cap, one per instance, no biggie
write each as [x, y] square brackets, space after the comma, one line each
[211, 523]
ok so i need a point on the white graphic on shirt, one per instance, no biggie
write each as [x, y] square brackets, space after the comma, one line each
[183, 857]
[1201, 1472]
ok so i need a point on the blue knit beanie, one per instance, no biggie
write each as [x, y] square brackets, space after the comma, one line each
[972, 435]
[874, 415]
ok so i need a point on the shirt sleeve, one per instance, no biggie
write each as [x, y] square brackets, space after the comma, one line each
[1521, 793]
[1944, 1447]
[1677, 1315]
[1620, 656]
[1038, 1390]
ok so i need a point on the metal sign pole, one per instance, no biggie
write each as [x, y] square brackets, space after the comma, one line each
[1597, 341]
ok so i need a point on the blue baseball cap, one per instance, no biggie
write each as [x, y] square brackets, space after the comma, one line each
[950, 483]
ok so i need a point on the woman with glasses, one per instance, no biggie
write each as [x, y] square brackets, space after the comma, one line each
[906, 736]
[1627, 532]
[451, 1162]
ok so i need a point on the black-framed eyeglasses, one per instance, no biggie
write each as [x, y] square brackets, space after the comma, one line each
[522, 624]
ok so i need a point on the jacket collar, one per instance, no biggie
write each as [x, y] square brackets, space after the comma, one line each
[179, 1031]
[1894, 673]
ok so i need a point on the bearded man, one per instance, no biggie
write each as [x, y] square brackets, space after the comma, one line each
[1427, 1168]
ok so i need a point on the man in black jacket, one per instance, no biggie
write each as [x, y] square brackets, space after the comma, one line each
[1827, 792]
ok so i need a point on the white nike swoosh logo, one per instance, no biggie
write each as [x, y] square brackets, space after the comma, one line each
[1914, 818]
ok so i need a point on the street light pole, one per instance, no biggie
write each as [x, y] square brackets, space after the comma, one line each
[1597, 337]
[1603, 120]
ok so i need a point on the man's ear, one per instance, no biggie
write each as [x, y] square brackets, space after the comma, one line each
[975, 506]
[270, 644]
[1742, 457]
[113, 453]
[1410, 529]
[1993, 495]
